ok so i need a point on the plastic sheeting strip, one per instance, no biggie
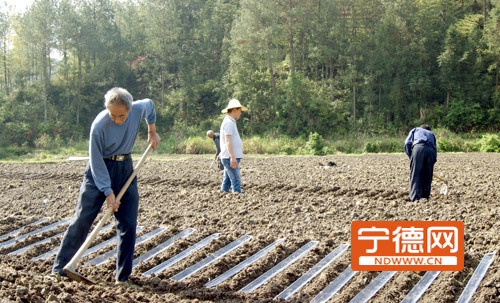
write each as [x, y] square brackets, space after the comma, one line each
[373, 287]
[77, 158]
[211, 259]
[46, 240]
[234, 270]
[111, 241]
[35, 232]
[103, 258]
[476, 278]
[279, 267]
[180, 256]
[334, 286]
[17, 231]
[56, 250]
[163, 246]
[313, 272]
[418, 290]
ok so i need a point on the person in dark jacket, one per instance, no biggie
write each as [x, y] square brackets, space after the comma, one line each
[420, 146]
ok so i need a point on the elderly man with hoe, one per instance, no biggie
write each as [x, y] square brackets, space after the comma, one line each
[112, 137]
[216, 138]
[231, 146]
[420, 146]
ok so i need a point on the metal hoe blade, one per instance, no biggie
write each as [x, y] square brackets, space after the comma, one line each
[444, 189]
[73, 275]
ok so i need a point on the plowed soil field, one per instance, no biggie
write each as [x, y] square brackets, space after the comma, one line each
[300, 199]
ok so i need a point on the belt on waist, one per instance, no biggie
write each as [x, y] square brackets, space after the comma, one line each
[424, 144]
[118, 157]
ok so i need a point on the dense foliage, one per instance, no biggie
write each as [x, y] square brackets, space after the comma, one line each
[306, 68]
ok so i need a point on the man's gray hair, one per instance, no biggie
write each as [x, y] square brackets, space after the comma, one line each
[210, 132]
[118, 95]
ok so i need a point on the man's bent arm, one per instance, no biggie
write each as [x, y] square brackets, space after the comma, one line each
[153, 137]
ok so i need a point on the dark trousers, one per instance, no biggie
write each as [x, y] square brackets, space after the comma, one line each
[422, 162]
[89, 204]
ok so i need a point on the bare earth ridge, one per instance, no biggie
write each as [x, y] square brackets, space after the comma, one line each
[296, 198]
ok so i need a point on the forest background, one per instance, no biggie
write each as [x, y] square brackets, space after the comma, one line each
[319, 76]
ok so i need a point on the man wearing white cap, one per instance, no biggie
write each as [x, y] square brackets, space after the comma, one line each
[231, 147]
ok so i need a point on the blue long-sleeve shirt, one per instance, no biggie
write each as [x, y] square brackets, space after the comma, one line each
[108, 138]
[419, 135]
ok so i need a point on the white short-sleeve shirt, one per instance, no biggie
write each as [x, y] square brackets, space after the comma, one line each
[228, 127]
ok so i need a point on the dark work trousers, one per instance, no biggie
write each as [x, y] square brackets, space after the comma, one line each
[89, 204]
[422, 161]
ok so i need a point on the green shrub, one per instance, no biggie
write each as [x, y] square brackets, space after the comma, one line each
[372, 147]
[16, 133]
[13, 151]
[46, 141]
[316, 144]
[451, 145]
[490, 143]
[348, 146]
[253, 145]
[443, 133]
[271, 146]
[289, 150]
[463, 115]
[392, 146]
[197, 145]
[386, 145]
[473, 146]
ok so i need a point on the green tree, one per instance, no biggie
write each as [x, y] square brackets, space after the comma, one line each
[162, 46]
[4, 31]
[257, 39]
[41, 21]
[492, 40]
[463, 64]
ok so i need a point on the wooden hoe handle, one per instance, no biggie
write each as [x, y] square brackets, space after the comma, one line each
[439, 178]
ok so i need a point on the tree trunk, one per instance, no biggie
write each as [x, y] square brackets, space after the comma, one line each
[354, 101]
[332, 96]
[48, 62]
[30, 65]
[371, 107]
[379, 94]
[5, 66]
[290, 30]
[65, 60]
[484, 13]
[496, 82]
[66, 76]
[44, 83]
[271, 70]
[162, 85]
[185, 109]
[94, 26]
[79, 96]
[447, 100]
[322, 75]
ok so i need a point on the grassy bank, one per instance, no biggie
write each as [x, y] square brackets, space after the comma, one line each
[313, 145]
